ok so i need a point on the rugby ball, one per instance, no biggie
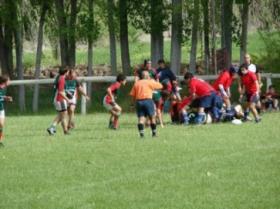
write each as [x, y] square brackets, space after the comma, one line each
[236, 122]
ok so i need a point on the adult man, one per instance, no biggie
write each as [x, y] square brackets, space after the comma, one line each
[142, 92]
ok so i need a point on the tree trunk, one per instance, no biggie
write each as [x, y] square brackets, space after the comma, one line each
[176, 37]
[63, 34]
[228, 11]
[18, 33]
[39, 56]
[72, 34]
[125, 56]
[213, 32]
[223, 40]
[90, 45]
[195, 22]
[112, 36]
[205, 4]
[244, 33]
[157, 40]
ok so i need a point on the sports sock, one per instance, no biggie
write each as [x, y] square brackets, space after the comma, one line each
[185, 118]
[115, 122]
[141, 129]
[154, 129]
[200, 117]
[1, 134]
[246, 114]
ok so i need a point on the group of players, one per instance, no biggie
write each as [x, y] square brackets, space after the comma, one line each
[206, 102]
[154, 88]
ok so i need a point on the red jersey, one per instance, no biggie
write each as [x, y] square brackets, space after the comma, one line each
[60, 87]
[249, 82]
[224, 79]
[200, 87]
[114, 89]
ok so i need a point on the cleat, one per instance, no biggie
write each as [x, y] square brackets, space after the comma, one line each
[51, 131]
[67, 133]
[258, 120]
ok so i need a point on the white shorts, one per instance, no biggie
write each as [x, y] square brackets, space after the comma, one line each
[72, 101]
[2, 114]
[108, 106]
[60, 106]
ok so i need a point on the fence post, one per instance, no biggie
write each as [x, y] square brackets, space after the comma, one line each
[83, 99]
[268, 81]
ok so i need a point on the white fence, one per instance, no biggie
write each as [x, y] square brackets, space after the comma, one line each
[101, 79]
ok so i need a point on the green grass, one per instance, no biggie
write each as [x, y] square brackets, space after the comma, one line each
[140, 51]
[211, 166]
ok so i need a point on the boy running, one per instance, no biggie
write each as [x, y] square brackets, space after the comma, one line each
[60, 103]
[250, 87]
[4, 82]
[142, 93]
[73, 86]
[109, 101]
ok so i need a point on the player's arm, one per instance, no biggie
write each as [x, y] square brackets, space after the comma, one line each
[110, 93]
[258, 87]
[82, 91]
[239, 86]
[222, 90]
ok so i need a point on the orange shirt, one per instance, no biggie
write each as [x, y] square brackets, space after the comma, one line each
[143, 89]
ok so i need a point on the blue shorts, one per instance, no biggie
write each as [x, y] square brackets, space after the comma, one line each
[207, 101]
[145, 108]
[252, 98]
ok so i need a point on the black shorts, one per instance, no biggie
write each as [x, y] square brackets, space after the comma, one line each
[145, 108]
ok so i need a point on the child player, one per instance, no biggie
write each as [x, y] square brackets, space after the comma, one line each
[250, 87]
[142, 93]
[109, 101]
[60, 102]
[73, 86]
[4, 82]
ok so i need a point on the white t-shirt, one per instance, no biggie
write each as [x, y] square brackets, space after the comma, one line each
[252, 68]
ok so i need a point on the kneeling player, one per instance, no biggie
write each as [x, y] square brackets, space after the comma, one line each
[72, 88]
[142, 92]
[109, 101]
[60, 103]
[4, 82]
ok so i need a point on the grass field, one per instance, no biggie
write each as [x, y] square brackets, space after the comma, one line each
[211, 166]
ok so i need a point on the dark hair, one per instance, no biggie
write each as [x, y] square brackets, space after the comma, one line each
[121, 77]
[62, 70]
[4, 79]
[161, 61]
[244, 66]
[271, 87]
[188, 75]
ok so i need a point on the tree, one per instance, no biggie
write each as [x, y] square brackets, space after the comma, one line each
[195, 22]
[112, 35]
[226, 22]
[157, 27]
[213, 35]
[90, 43]
[244, 32]
[176, 36]
[43, 12]
[205, 5]
[18, 34]
[6, 37]
[125, 56]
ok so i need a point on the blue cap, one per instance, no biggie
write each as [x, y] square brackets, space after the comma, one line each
[233, 69]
